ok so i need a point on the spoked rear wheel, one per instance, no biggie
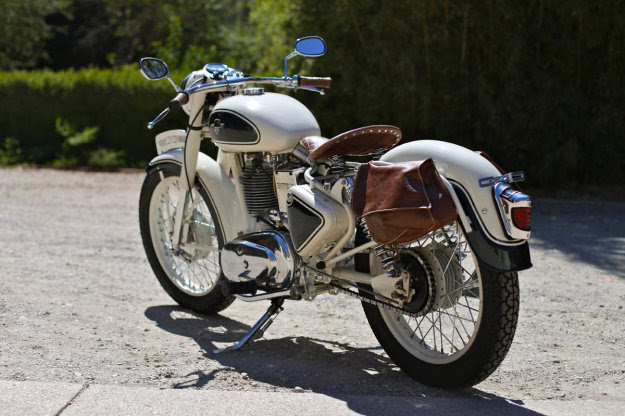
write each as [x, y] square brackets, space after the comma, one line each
[189, 275]
[465, 328]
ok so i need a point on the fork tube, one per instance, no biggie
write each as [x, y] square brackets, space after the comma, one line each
[189, 164]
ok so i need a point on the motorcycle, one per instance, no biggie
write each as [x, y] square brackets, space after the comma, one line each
[428, 235]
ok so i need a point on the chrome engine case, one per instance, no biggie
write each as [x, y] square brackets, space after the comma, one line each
[266, 257]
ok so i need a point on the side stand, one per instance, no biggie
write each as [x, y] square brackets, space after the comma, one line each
[259, 329]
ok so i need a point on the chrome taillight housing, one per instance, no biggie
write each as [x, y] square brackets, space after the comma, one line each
[515, 209]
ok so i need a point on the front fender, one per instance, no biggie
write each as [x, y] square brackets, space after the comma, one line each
[219, 187]
[464, 168]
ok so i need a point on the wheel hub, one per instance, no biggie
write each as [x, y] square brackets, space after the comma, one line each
[421, 280]
[446, 274]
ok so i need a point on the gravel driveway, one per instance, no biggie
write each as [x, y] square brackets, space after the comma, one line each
[79, 304]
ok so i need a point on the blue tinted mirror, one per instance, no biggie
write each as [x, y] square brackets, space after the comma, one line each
[310, 46]
[153, 68]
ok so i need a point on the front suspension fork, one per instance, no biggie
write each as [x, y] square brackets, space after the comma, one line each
[188, 169]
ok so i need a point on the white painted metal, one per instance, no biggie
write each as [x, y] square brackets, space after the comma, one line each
[334, 223]
[169, 140]
[281, 120]
[220, 189]
[465, 167]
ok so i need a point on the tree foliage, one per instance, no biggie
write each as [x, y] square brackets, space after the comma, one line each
[539, 84]
[24, 31]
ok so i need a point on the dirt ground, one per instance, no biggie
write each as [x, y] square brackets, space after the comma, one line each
[79, 304]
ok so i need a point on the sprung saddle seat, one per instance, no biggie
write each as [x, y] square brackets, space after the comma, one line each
[359, 142]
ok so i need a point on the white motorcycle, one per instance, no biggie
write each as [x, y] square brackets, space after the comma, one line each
[429, 236]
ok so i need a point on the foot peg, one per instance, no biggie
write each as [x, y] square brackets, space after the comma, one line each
[259, 329]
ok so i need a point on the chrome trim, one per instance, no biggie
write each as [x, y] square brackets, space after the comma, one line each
[507, 178]
[265, 257]
[265, 296]
[253, 91]
[508, 198]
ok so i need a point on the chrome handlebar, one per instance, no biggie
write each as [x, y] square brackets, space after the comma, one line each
[233, 84]
[237, 83]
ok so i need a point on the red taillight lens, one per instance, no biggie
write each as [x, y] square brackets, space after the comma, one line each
[521, 218]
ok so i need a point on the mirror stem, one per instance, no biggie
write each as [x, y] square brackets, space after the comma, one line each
[286, 59]
[178, 89]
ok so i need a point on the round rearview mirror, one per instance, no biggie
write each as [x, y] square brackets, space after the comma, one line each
[153, 68]
[310, 46]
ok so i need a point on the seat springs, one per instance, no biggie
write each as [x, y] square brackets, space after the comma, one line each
[338, 165]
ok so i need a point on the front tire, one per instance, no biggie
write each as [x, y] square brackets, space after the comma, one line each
[190, 277]
[463, 338]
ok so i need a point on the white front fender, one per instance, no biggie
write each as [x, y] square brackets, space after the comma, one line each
[219, 187]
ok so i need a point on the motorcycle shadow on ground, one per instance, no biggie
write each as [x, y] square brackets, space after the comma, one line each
[356, 376]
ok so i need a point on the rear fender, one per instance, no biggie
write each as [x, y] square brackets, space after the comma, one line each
[464, 168]
[219, 187]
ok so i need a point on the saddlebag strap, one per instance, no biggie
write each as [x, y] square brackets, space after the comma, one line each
[401, 201]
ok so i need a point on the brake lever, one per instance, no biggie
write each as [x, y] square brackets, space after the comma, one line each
[158, 118]
[313, 89]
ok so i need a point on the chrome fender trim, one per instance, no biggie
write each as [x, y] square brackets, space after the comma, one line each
[219, 187]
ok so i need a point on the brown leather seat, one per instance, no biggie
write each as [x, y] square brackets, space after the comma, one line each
[359, 142]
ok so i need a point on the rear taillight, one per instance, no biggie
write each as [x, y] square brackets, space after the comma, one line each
[521, 218]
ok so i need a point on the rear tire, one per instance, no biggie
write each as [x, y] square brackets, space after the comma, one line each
[463, 340]
[190, 278]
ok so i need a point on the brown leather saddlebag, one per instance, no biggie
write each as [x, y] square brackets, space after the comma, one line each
[401, 201]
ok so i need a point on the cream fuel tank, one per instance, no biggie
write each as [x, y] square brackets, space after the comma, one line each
[258, 121]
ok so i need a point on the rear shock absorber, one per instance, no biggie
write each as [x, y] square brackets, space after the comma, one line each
[387, 256]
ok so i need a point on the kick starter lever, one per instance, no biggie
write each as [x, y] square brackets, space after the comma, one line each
[259, 329]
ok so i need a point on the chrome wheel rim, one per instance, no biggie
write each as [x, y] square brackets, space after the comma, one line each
[196, 269]
[444, 334]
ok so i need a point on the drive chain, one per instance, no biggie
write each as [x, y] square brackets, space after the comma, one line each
[375, 302]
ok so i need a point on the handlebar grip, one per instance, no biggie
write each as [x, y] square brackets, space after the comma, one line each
[178, 101]
[315, 82]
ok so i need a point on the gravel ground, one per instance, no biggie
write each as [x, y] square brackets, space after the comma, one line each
[79, 304]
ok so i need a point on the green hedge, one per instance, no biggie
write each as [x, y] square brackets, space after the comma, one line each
[119, 102]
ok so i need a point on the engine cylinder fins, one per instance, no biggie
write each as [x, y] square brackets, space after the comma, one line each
[257, 181]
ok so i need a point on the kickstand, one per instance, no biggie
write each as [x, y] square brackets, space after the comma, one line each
[259, 329]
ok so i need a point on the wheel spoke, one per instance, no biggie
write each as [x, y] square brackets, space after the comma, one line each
[448, 331]
[196, 269]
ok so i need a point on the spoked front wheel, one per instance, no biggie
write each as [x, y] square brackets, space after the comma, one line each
[464, 326]
[189, 274]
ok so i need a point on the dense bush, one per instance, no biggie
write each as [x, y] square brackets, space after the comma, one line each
[119, 103]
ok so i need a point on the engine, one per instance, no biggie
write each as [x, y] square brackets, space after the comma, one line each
[266, 257]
